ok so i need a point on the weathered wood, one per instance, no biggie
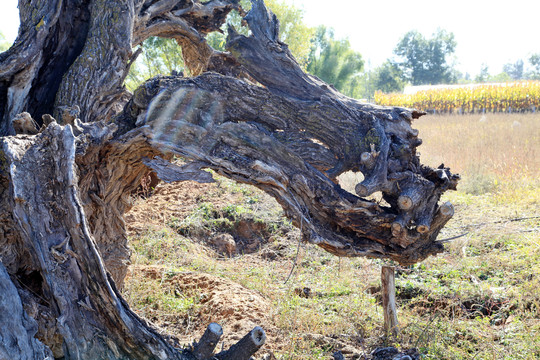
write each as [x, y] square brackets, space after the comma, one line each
[413, 192]
[204, 349]
[284, 131]
[172, 173]
[81, 51]
[388, 286]
[246, 347]
[18, 328]
[217, 134]
[447, 209]
[63, 254]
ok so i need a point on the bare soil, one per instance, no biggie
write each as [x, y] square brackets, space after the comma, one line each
[237, 309]
[175, 200]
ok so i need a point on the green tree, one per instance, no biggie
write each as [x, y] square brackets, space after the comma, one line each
[515, 70]
[218, 40]
[162, 56]
[502, 77]
[159, 56]
[483, 76]
[292, 29]
[334, 61]
[426, 61]
[534, 60]
[388, 78]
[4, 44]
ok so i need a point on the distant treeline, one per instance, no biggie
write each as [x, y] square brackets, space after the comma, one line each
[521, 96]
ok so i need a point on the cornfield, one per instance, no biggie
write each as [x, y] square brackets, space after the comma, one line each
[523, 96]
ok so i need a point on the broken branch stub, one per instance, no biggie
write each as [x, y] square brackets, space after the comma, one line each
[246, 347]
[204, 349]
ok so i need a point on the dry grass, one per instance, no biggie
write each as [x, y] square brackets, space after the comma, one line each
[490, 151]
[478, 300]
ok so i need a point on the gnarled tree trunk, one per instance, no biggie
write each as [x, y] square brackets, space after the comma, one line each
[251, 114]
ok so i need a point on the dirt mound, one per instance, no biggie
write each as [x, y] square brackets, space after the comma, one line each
[237, 309]
[225, 221]
[172, 201]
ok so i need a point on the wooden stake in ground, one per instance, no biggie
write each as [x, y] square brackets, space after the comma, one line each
[391, 324]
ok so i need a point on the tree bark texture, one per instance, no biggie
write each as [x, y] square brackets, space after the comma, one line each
[204, 349]
[74, 145]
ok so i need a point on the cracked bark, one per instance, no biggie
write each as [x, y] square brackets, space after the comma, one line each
[250, 114]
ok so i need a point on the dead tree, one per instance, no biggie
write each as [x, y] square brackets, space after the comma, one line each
[74, 144]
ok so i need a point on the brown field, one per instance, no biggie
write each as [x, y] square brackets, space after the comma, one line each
[488, 150]
[478, 300]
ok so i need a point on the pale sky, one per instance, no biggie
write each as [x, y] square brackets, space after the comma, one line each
[494, 32]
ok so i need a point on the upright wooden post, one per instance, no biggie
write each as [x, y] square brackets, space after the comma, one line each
[388, 285]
